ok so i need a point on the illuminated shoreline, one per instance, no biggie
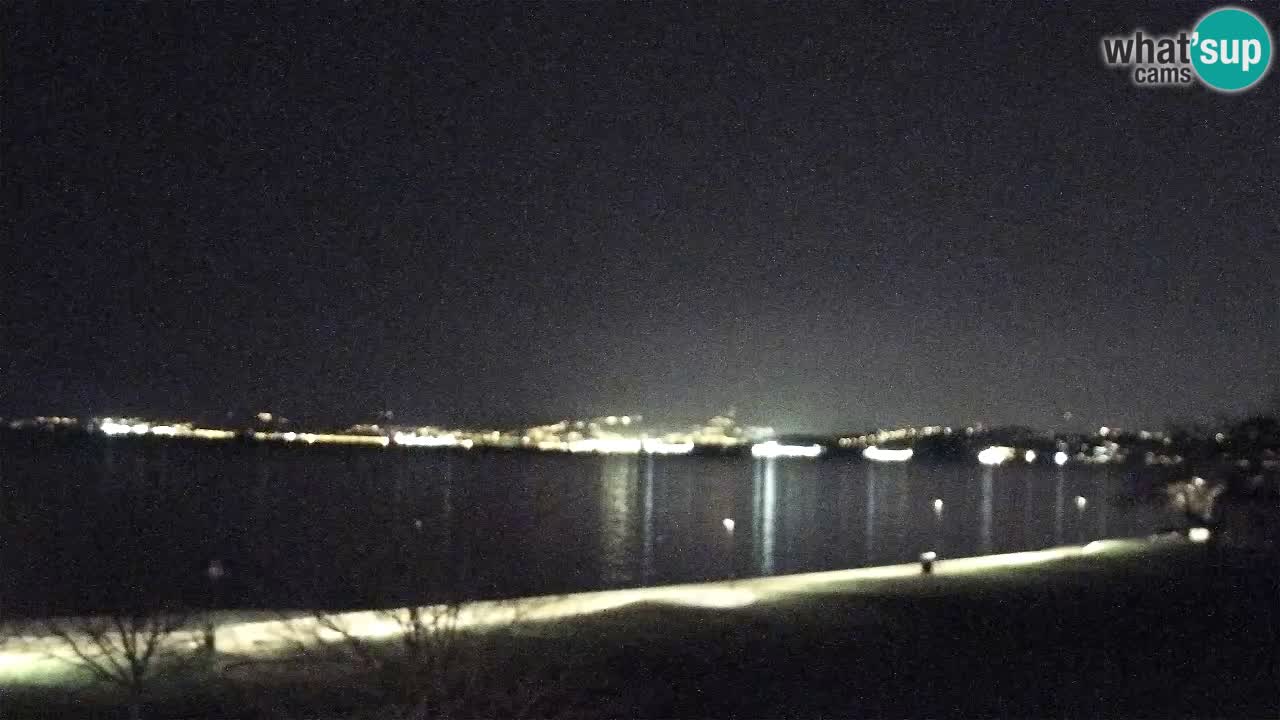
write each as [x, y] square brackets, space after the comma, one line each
[32, 657]
[462, 440]
[623, 435]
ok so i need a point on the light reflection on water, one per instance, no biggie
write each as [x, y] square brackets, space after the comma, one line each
[290, 521]
[618, 482]
[803, 515]
[765, 502]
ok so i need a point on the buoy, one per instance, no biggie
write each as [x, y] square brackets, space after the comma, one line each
[926, 561]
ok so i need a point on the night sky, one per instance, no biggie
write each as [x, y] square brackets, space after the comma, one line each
[829, 216]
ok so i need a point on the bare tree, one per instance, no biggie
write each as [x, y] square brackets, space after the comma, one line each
[128, 621]
[122, 650]
[437, 661]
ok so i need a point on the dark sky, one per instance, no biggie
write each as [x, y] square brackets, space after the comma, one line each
[829, 215]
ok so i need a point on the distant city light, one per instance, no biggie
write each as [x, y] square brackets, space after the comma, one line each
[772, 448]
[607, 446]
[620, 434]
[325, 438]
[880, 454]
[414, 440]
[616, 446]
[996, 454]
[659, 447]
[209, 434]
[1198, 535]
[1081, 503]
[728, 524]
[937, 507]
[110, 427]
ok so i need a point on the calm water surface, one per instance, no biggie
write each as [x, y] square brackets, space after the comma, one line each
[88, 522]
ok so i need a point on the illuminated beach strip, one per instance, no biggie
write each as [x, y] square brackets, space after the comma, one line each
[32, 658]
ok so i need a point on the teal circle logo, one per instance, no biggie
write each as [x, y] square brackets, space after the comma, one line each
[1231, 49]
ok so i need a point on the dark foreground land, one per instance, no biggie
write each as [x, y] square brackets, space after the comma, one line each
[1176, 630]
